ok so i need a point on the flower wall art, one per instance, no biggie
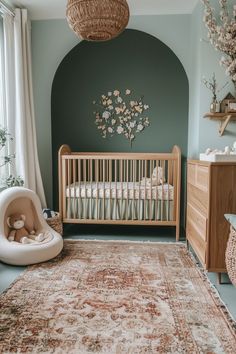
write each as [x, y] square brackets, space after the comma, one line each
[118, 113]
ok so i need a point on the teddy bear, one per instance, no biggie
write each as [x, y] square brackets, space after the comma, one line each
[19, 232]
[157, 177]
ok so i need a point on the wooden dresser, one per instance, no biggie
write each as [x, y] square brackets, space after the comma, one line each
[211, 192]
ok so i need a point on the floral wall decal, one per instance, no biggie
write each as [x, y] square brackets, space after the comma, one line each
[120, 114]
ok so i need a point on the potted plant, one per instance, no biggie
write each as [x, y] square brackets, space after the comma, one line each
[7, 180]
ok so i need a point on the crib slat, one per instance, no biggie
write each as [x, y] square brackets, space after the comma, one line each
[121, 181]
[100, 171]
[110, 185]
[168, 190]
[175, 184]
[150, 190]
[79, 180]
[64, 184]
[162, 185]
[106, 170]
[116, 204]
[145, 188]
[103, 173]
[139, 188]
[133, 168]
[69, 183]
[127, 189]
[157, 198]
[85, 187]
[97, 181]
[91, 188]
[74, 186]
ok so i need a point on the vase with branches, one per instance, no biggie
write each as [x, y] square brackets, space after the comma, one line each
[212, 85]
[7, 180]
[222, 34]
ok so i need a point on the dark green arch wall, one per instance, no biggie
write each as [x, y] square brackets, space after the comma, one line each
[134, 60]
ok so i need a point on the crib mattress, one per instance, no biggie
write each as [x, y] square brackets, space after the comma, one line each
[118, 190]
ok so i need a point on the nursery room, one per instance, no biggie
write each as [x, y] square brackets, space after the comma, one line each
[118, 176]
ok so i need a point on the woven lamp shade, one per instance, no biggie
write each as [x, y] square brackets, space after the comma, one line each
[97, 20]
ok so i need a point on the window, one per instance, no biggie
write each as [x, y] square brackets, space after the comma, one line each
[5, 141]
[2, 115]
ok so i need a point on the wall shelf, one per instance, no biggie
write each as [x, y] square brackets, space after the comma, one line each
[224, 119]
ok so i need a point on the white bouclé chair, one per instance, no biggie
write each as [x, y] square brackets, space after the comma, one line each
[24, 201]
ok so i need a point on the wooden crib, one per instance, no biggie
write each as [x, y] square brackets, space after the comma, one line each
[120, 188]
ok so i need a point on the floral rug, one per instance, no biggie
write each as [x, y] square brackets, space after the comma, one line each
[115, 297]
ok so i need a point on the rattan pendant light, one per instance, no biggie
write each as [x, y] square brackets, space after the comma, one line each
[97, 20]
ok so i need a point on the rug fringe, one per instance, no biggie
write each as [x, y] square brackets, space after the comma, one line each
[180, 243]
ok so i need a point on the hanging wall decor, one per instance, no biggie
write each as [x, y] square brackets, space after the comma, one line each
[97, 20]
[119, 114]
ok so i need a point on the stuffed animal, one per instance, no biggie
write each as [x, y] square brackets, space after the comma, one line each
[157, 177]
[19, 232]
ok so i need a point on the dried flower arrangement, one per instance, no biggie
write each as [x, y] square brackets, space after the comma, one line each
[211, 85]
[223, 35]
[119, 114]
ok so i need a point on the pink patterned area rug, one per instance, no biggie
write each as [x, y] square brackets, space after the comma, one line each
[115, 297]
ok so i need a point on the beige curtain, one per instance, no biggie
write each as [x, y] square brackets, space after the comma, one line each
[20, 116]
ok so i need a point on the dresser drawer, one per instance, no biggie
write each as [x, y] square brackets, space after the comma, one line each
[191, 174]
[198, 175]
[197, 243]
[202, 177]
[198, 198]
[197, 221]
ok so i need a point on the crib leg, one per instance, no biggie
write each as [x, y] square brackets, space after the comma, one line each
[177, 232]
[187, 244]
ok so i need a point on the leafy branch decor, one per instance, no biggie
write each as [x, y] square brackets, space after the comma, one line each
[6, 159]
[212, 85]
[222, 35]
[119, 114]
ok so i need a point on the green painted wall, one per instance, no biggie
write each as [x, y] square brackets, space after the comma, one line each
[134, 60]
[52, 40]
